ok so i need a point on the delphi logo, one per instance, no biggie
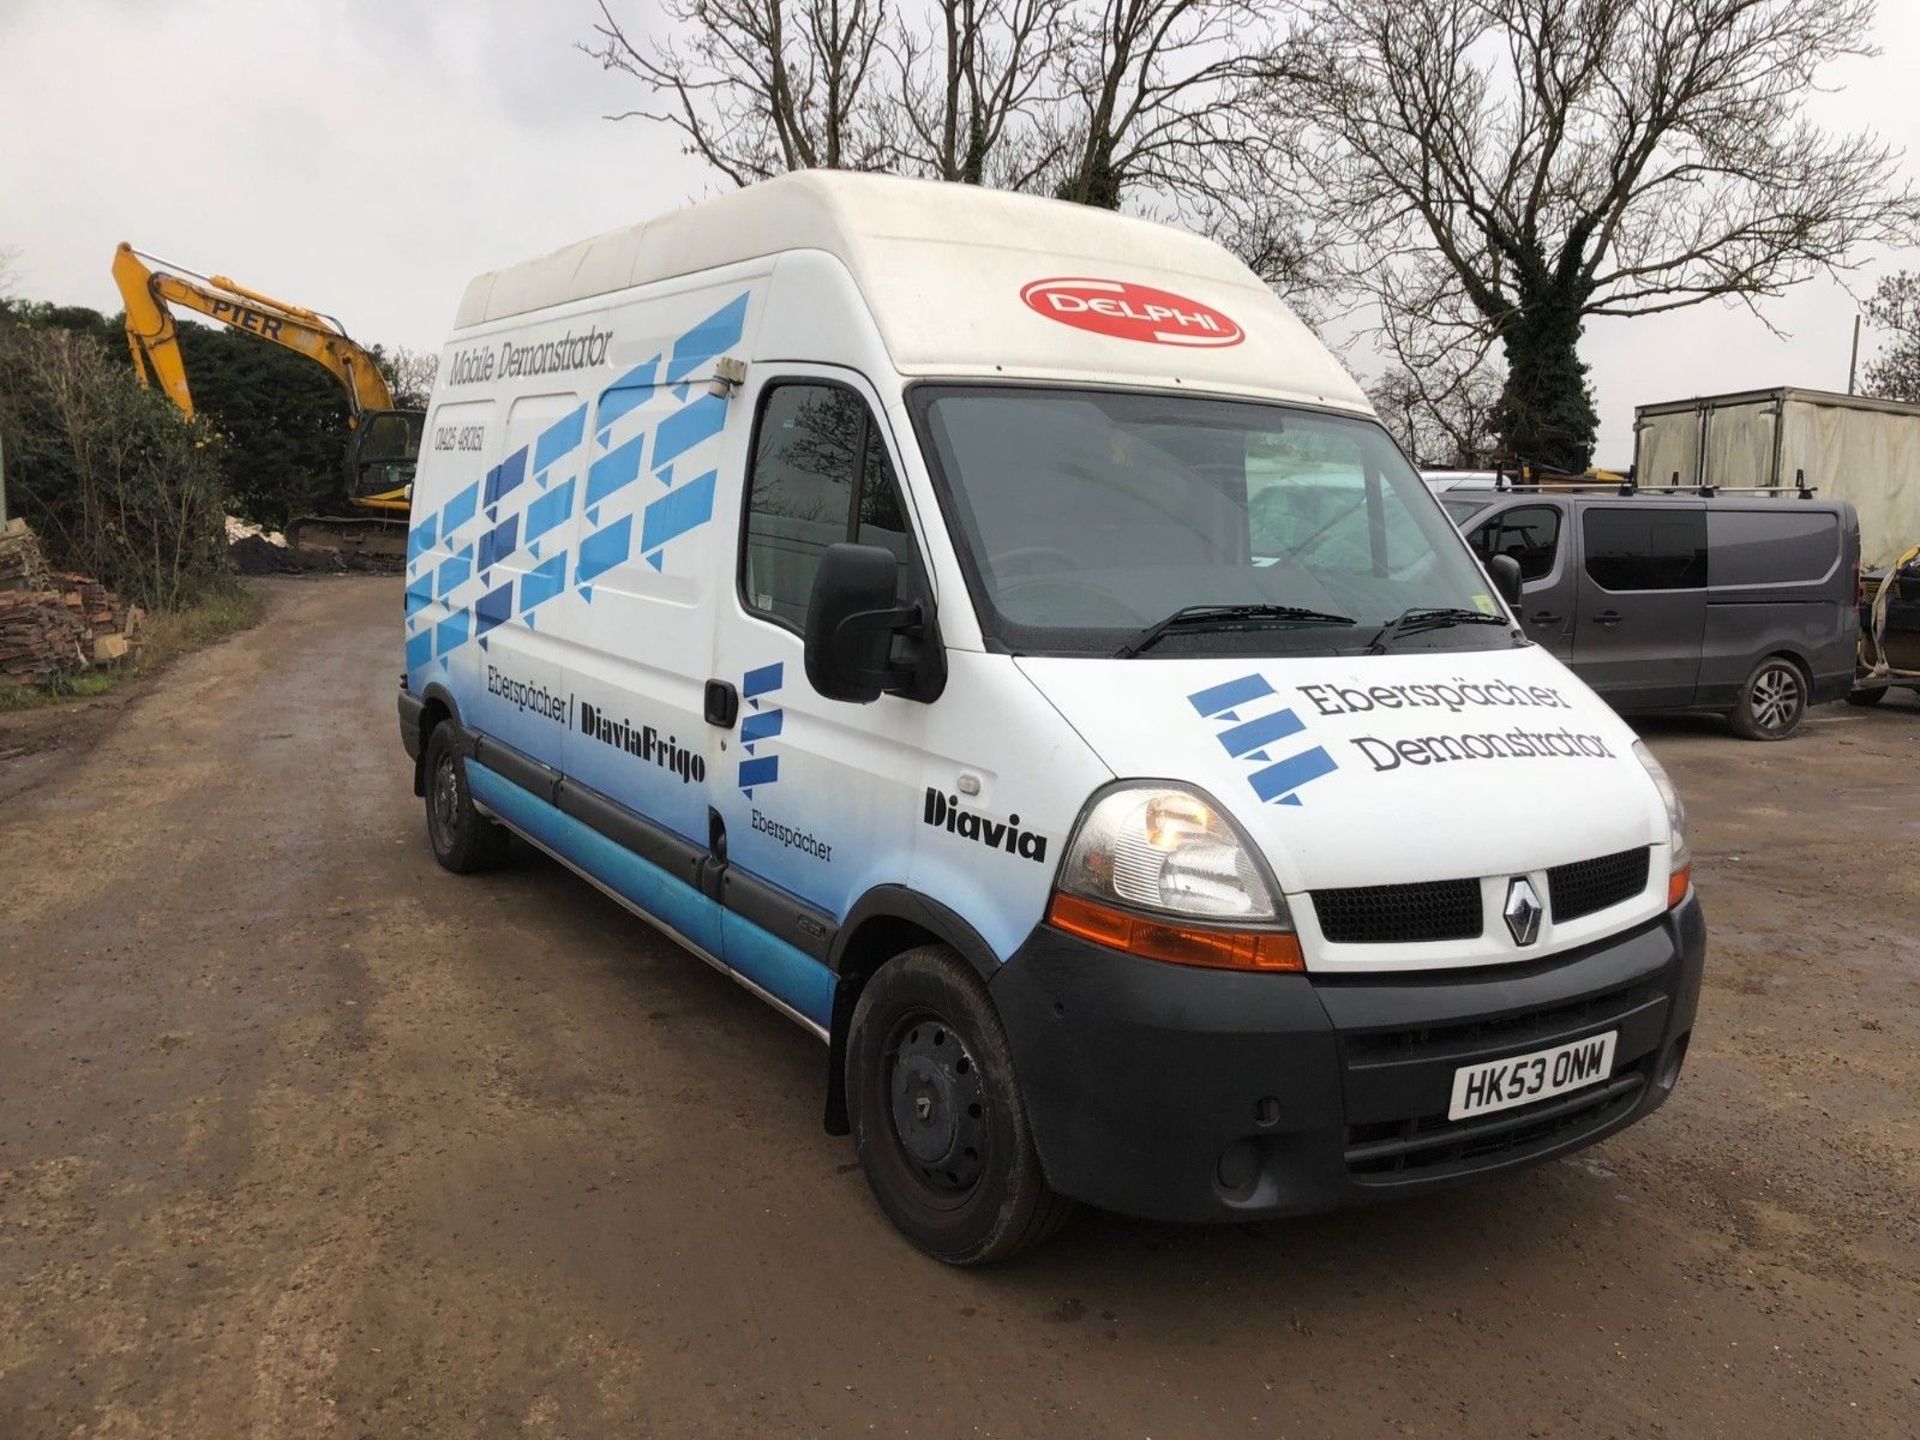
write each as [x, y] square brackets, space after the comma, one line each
[1253, 736]
[1131, 312]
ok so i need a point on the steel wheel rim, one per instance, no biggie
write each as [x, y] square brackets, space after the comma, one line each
[937, 1104]
[445, 807]
[1775, 697]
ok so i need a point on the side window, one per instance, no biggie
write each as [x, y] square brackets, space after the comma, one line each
[1529, 533]
[1645, 547]
[819, 474]
[1780, 545]
[880, 520]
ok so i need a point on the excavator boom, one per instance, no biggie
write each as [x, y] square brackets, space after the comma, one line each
[154, 339]
[382, 450]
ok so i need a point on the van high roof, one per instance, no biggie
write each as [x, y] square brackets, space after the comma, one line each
[946, 270]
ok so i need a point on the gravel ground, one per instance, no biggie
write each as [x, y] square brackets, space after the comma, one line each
[301, 1136]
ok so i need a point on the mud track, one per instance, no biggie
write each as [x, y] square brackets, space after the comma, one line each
[301, 1136]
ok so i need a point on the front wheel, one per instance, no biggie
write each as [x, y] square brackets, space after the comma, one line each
[1773, 701]
[937, 1118]
[1871, 696]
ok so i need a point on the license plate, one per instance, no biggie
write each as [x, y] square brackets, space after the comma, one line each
[1522, 1079]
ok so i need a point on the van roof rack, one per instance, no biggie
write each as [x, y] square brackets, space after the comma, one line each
[1539, 478]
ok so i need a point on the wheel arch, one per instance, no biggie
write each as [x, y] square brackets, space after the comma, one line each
[436, 704]
[1787, 652]
[886, 921]
[1793, 657]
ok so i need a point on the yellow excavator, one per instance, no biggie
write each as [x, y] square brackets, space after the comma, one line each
[384, 443]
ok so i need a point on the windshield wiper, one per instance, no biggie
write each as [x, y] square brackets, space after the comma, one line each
[1429, 617]
[1199, 617]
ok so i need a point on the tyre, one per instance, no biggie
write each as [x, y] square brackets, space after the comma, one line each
[1773, 701]
[463, 839]
[1867, 697]
[936, 1113]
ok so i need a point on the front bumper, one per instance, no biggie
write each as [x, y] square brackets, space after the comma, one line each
[1185, 1094]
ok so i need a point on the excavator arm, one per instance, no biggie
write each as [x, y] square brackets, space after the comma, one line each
[154, 339]
[382, 450]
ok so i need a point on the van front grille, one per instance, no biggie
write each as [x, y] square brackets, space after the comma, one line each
[1400, 914]
[1587, 886]
[1430, 1146]
[1517, 1032]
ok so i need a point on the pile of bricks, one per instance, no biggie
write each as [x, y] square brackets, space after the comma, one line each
[22, 566]
[39, 637]
[51, 623]
[110, 628]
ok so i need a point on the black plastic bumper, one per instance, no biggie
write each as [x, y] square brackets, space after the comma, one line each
[1185, 1094]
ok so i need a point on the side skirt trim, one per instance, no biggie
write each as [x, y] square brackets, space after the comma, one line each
[767, 949]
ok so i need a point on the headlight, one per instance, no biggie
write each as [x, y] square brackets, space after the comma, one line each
[1682, 856]
[1158, 872]
[1160, 848]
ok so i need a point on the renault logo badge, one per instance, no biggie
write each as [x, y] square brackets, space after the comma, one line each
[1523, 911]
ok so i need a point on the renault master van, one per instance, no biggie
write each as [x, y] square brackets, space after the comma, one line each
[999, 635]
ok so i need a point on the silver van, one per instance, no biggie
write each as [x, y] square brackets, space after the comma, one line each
[1744, 606]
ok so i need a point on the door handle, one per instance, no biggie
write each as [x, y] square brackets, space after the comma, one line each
[1608, 617]
[1544, 617]
[722, 703]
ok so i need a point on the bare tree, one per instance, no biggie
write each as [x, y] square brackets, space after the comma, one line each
[1507, 168]
[760, 87]
[1440, 419]
[1158, 102]
[1158, 94]
[1895, 307]
[1440, 394]
[968, 82]
[409, 374]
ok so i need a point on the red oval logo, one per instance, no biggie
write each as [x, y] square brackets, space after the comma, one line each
[1131, 312]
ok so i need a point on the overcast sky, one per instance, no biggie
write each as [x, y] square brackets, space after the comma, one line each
[366, 157]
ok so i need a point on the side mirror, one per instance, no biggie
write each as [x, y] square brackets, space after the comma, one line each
[1504, 571]
[853, 621]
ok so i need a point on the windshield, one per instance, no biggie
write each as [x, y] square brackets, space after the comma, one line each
[1083, 515]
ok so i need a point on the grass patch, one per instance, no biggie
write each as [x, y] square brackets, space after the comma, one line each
[173, 634]
[165, 638]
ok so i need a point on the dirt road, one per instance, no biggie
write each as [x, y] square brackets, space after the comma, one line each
[301, 1136]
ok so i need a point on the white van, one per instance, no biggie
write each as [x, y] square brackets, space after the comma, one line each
[998, 634]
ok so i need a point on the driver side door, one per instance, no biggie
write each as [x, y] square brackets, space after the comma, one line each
[814, 800]
[1534, 536]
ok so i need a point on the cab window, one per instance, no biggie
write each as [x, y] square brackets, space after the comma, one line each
[1530, 534]
[819, 474]
[1082, 516]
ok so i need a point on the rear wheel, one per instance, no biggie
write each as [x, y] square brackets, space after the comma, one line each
[937, 1117]
[1773, 701]
[1867, 697]
[463, 839]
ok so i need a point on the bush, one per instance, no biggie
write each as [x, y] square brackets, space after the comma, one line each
[281, 419]
[115, 482]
